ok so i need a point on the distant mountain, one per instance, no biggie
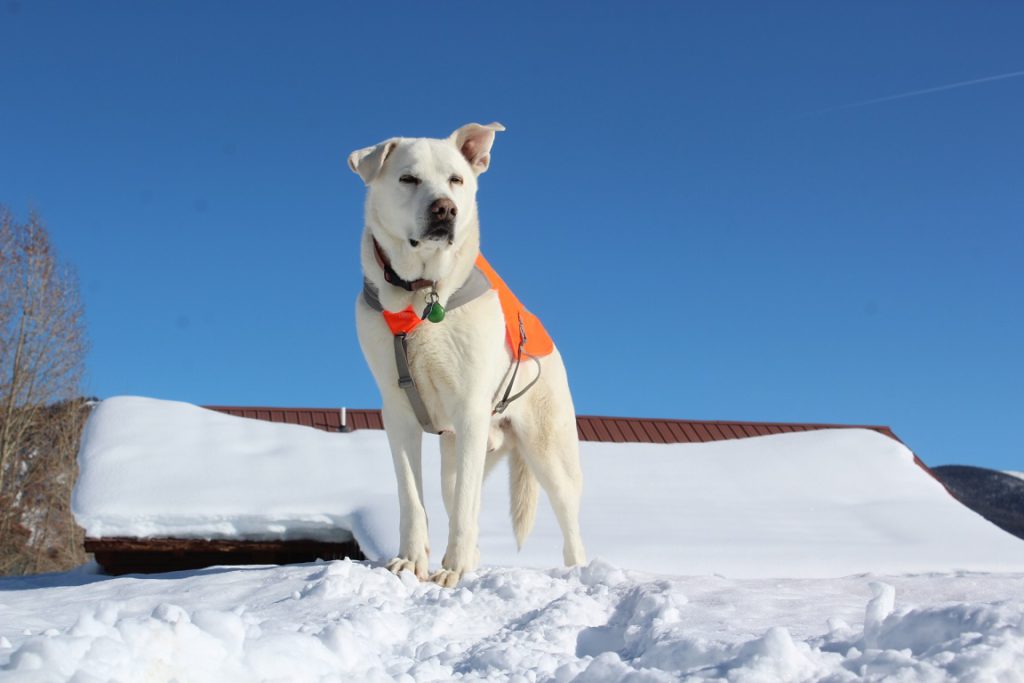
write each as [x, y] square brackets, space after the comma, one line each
[996, 496]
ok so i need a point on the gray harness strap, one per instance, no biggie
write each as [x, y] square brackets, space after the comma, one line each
[407, 383]
[475, 286]
[507, 399]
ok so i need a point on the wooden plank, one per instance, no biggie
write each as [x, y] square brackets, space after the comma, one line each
[144, 556]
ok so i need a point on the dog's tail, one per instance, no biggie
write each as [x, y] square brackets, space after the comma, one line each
[523, 496]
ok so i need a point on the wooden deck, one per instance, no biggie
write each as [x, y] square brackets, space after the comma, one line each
[148, 555]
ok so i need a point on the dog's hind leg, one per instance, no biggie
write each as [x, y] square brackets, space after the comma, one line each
[406, 439]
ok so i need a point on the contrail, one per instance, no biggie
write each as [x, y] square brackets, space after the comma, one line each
[926, 91]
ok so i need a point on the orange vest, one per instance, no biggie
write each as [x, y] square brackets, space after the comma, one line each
[538, 342]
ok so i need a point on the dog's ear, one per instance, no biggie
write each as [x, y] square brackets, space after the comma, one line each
[368, 161]
[474, 141]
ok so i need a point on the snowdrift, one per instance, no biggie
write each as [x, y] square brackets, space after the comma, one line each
[346, 621]
[811, 504]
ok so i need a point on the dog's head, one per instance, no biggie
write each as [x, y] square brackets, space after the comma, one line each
[423, 190]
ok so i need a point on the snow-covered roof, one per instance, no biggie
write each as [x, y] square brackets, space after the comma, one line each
[819, 503]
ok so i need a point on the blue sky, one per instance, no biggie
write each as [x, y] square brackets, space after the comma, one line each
[683, 194]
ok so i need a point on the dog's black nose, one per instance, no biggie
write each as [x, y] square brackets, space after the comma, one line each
[443, 210]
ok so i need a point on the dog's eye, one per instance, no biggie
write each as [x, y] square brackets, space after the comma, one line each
[409, 180]
[455, 180]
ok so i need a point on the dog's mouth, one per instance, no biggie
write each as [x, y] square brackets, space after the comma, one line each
[439, 231]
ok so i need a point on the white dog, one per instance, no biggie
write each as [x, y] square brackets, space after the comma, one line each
[462, 372]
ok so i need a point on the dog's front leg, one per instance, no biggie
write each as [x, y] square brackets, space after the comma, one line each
[406, 439]
[462, 554]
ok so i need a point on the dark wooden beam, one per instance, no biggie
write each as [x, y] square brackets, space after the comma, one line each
[152, 555]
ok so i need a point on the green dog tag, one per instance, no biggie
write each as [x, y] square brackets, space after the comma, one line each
[436, 313]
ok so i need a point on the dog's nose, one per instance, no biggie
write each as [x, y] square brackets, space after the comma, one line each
[443, 210]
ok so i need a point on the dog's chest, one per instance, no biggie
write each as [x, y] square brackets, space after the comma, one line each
[455, 363]
[462, 352]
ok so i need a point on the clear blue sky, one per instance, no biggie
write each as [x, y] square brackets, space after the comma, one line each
[683, 196]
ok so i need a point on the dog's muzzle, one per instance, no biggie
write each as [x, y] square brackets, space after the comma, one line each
[441, 220]
[444, 230]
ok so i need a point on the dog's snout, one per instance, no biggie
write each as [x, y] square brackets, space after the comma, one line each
[443, 209]
[441, 220]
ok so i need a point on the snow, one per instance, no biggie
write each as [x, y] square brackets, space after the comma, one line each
[878, 573]
[353, 621]
[811, 504]
[1019, 475]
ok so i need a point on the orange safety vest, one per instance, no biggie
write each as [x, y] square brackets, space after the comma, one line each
[538, 343]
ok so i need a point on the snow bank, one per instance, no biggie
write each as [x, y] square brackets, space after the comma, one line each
[151, 468]
[347, 621]
[824, 503]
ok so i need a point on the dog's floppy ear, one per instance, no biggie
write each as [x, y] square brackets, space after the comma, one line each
[474, 141]
[368, 161]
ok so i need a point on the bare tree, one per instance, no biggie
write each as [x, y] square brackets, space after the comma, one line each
[42, 356]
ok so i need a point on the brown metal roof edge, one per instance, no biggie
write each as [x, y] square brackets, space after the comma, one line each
[602, 428]
[290, 409]
[813, 425]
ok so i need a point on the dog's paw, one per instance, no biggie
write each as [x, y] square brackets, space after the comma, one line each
[417, 567]
[447, 578]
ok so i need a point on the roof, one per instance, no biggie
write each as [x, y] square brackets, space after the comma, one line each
[120, 555]
[589, 427]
